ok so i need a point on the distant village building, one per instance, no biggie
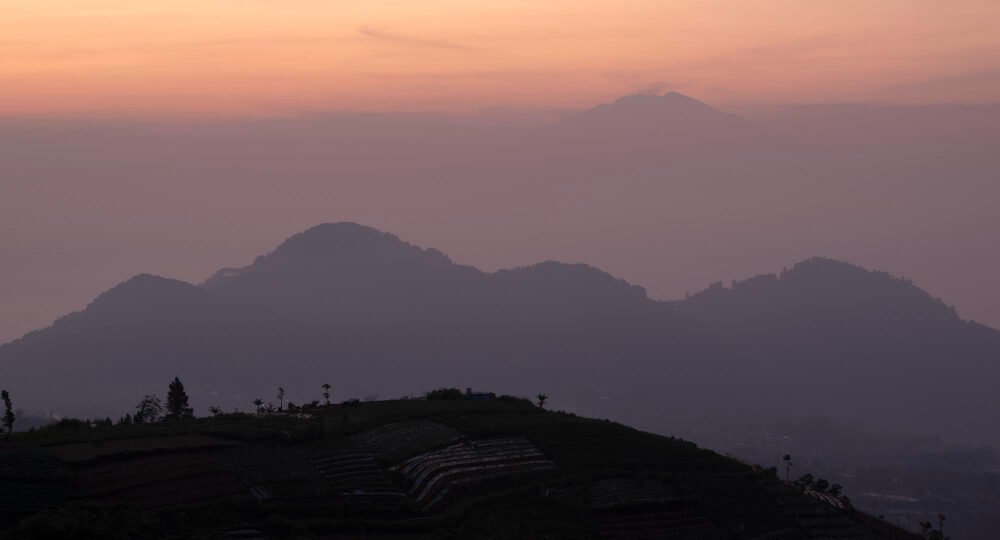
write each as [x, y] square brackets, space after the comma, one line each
[479, 396]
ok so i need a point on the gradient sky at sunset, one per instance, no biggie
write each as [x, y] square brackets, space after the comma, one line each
[239, 57]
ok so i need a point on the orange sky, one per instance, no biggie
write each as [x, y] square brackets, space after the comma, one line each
[239, 57]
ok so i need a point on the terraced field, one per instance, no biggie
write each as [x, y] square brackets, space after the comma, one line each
[273, 473]
[354, 474]
[674, 521]
[616, 492]
[400, 470]
[605, 445]
[435, 476]
[399, 440]
[816, 516]
[91, 451]
[159, 481]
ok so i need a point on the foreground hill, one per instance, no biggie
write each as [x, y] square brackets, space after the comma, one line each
[370, 313]
[404, 469]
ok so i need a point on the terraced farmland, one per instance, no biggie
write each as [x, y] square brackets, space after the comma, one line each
[90, 451]
[355, 475]
[273, 473]
[616, 492]
[399, 440]
[605, 445]
[159, 481]
[420, 469]
[436, 476]
[817, 515]
[673, 521]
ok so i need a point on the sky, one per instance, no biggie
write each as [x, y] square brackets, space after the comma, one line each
[271, 57]
[91, 193]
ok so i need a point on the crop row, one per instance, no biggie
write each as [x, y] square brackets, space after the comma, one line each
[606, 445]
[108, 479]
[655, 524]
[434, 475]
[616, 492]
[353, 472]
[258, 465]
[160, 481]
[92, 450]
[399, 440]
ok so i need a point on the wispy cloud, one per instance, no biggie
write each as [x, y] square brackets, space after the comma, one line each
[969, 79]
[34, 50]
[410, 41]
[483, 75]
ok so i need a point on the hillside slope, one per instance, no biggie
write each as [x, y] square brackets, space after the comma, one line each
[351, 304]
[405, 469]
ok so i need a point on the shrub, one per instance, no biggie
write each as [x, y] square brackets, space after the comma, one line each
[453, 394]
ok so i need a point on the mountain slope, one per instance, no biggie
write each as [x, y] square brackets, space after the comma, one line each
[404, 470]
[665, 125]
[346, 273]
[372, 313]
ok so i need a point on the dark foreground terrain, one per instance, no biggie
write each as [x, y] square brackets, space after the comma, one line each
[411, 468]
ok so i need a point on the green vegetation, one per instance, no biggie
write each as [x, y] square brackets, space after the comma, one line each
[446, 393]
[177, 402]
[326, 393]
[149, 410]
[8, 412]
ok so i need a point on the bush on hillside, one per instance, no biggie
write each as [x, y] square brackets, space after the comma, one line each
[453, 394]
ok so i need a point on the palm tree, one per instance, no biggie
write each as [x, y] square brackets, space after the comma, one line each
[258, 402]
[541, 400]
[326, 393]
[281, 398]
[215, 410]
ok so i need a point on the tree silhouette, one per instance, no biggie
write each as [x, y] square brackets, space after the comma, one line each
[541, 400]
[215, 410]
[326, 393]
[281, 398]
[148, 410]
[928, 531]
[805, 481]
[8, 412]
[788, 465]
[259, 403]
[177, 402]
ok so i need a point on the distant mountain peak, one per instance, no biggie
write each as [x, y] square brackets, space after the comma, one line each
[669, 99]
[640, 119]
[335, 236]
[145, 286]
[346, 242]
[817, 284]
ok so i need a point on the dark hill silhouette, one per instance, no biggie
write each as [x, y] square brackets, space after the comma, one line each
[818, 285]
[664, 113]
[146, 300]
[348, 273]
[376, 314]
[667, 125]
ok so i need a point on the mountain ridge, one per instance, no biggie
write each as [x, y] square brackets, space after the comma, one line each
[574, 330]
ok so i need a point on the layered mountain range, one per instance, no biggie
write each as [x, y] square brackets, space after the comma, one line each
[372, 314]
